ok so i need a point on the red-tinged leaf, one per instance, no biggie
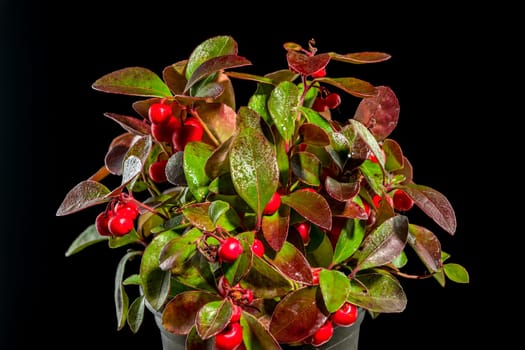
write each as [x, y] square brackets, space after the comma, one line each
[142, 106]
[255, 335]
[406, 171]
[361, 57]
[174, 77]
[181, 311]
[290, 261]
[228, 95]
[348, 209]
[377, 292]
[426, 245]
[135, 81]
[434, 204]
[283, 107]
[312, 206]
[341, 191]
[198, 216]
[251, 77]
[265, 280]
[84, 195]
[213, 317]
[353, 86]
[118, 149]
[314, 135]
[335, 287]
[393, 154]
[218, 162]
[213, 47]
[307, 167]
[369, 139]
[235, 271]
[275, 228]
[298, 315]
[195, 342]
[379, 113]
[175, 169]
[214, 65]
[254, 169]
[384, 243]
[177, 251]
[306, 65]
[131, 124]
[292, 46]
[219, 118]
[208, 90]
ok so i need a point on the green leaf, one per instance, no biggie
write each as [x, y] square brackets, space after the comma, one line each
[133, 280]
[293, 263]
[335, 287]
[377, 292]
[135, 81]
[210, 48]
[84, 195]
[426, 245]
[434, 204]
[88, 237]
[255, 335]
[120, 296]
[195, 156]
[394, 155]
[361, 57]
[316, 119]
[180, 312]
[195, 342]
[456, 273]
[197, 274]
[319, 250]
[177, 251]
[213, 317]
[283, 107]
[254, 169]
[307, 167]
[312, 206]
[217, 209]
[384, 243]
[213, 65]
[130, 238]
[374, 176]
[259, 101]
[401, 260]
[198, 215]
[362, 131]
[265, 280]
[136, 314]
[353, 86]
[155, 282]
[349, 240]
[235, 271]
[298, 315]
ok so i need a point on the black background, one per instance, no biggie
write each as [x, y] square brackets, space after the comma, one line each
[54, 135]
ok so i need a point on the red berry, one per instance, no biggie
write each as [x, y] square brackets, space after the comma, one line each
[366, 207]
[192, 130]
[273, 204]
[315, 275]
[236, 313]
[119, 225]
[130, 209]
[157, 171]
[304, 230]
[230, 249]
[101, 223]
[323, 334]
[332, 100]
[402, 201]
[319, 104]
[345, 316]
[258, 247]
[164, 132]
[230, 337]
[376, 199]
[320, 73]
[159, 113]
[247, 296]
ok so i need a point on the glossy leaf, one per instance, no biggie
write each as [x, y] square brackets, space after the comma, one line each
[208, 49]
[353, 86]
[361, 57]
[255, 335]
[130, 124]
[348, 209]
[283, 161]
[306, 65]
[175, 253]
[293, 263]
[362, 131]
[235, 271]
[306, 167]
[252, 77]
[195, 156]
[265, 281]
[316, 119]
[181, 311]
[426, 245]
[385, 243]
[136, 314]
[406, 172]
[314, 135]
[374, 176]
[259, 102]
[275, 228]
[217, 209]
[254, 169]
[196, 273]
[84, 195]
[213, 65]
[208, 90]
[175, 169]
[218, 162]
[174, 77]
[312, 206]
[401, 260]
[219, 118]
[380, 113]
[142, 106]
[135, 81]
[335, 287]
[121, 241]
[349, 240]
[117, 151]
[283, 107]
[120, 295]
[87, 238]
[341, 191]
[394, 155]
[377, 292]
[319, 250]
[195, 342]
[456, 273]
[298, 315]
[434, 204]
[155, 281]
[213, 317]
[198, 216]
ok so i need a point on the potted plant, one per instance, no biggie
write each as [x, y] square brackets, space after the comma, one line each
[269, 224]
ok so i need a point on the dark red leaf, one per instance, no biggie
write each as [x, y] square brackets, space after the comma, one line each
[307, 65]
[379, 113]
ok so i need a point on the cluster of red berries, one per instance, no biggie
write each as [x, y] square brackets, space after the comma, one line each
[345, 316]
[331, 101]
[118, 219]
[170, 125]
